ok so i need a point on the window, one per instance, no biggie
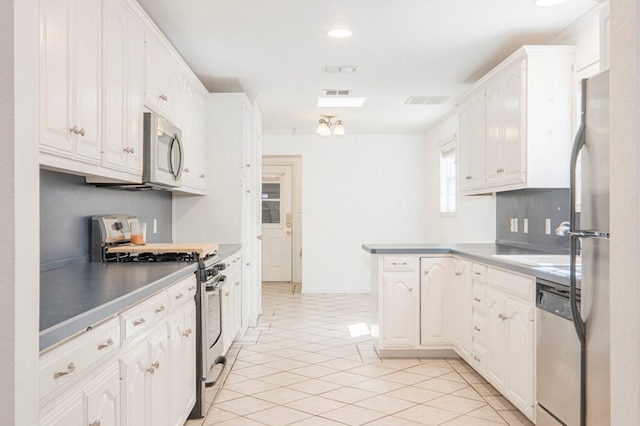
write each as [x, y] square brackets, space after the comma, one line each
[271, 201]
[448, 177]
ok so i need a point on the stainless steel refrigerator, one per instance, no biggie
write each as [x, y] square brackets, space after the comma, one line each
[591, 238]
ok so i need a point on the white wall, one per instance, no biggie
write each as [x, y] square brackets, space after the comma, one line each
[475, 218]
[625, 276]
[19, 212]
[355, 189]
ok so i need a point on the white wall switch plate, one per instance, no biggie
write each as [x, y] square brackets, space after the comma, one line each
[525, 225]
[515, 224]
[547, 226]
[155, 226]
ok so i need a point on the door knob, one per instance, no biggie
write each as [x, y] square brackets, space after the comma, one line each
[288, 232]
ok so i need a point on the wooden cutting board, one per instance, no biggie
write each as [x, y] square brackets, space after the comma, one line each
[203, 249]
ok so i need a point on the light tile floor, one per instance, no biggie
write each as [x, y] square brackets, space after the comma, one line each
[310, 361]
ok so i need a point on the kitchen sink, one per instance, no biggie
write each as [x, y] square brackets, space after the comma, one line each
[537, 259]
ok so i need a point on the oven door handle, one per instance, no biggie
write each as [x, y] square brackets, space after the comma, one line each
[216, 285]
[219, 360]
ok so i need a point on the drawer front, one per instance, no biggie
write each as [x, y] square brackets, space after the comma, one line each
[479, 332]
[75, 357]
[400, 263]
[144, 315]
[480, 299]
[479, 272]
[182, 291]
[478, 359]
[519, 285]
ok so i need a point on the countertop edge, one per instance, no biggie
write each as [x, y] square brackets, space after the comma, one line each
[62, 331]
[476, 252]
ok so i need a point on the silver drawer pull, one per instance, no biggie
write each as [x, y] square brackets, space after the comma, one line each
[164, 97]
[399, 263]
[187, 332]
[237, 282]
[476, 358]
[180, 296]
[160, 309]
[101, 346]
[503, 317]
[477, 300]
[186, 170]
[70, 369]
[74, 129]
[139, 322]
[193, 287]
[202, 176]
[153, 367]
[476, 328]
[477, 273]
[458, 274]
[96, 423]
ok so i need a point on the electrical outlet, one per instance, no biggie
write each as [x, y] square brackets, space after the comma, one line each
[525, 225]
[155, 226]
[547, 226]
[510, 224]
[515, 224]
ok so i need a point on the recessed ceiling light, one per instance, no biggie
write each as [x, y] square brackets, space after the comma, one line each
[341, 101]
[547, 2]
[339, 33]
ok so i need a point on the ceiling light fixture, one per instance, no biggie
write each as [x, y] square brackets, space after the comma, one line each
[340, 101]
[325, 125]
[544, 3]
[339, 33]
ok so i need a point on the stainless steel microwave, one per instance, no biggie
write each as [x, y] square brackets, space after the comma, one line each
[163, 152]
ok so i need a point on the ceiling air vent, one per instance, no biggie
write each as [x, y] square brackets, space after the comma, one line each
[426, 100]
[335, 92]
[339, 69]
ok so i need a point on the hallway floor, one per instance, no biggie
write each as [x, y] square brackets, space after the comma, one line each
[311, 361]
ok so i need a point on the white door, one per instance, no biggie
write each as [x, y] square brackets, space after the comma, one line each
[277, 223]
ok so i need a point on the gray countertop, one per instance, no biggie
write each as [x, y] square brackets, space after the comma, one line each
[479, 252]
[82, 295]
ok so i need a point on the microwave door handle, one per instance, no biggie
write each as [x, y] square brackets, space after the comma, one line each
[181, 157]
[175, 172]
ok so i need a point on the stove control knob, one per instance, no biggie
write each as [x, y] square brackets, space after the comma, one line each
[221, 266]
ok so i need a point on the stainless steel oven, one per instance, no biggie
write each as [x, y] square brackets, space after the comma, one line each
[210, 362]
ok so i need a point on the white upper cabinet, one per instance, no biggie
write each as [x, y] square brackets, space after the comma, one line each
[161, 82]
[123, 90]
[70, 67]
[515, 124]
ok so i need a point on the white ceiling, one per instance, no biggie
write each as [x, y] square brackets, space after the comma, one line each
[277, 48]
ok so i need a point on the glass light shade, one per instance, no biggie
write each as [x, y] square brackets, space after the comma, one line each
[339, 128]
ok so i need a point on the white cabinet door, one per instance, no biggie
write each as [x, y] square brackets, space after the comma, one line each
[493, 125]
[512, 108]
[401, 309]
[64, 411]
[134, 367]
[497, 357]
[472, 142]
[520, 351]
[123, 80]
[183, 371]
[462, 306]
[159, 370]
[103, 399]
[70, 66]
[434, 288]
[160, 79]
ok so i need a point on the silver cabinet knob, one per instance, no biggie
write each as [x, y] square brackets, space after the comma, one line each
[187, 332]
[164, 98]
[202, 176]
[139, 322]
[160, 309]
[186, 170]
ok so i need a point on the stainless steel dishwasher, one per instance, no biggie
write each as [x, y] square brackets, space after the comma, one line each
[558, 357]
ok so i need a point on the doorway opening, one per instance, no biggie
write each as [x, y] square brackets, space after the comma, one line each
[282, 220]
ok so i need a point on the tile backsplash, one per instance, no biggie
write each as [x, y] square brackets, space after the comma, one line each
[67, 204]
[535, 205]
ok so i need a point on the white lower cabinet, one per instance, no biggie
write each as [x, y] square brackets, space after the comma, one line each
[231, 301]
[94, 401]
[136, 369]
[400, 302]
[510, 357]
[182, 338]
[461, 307]
[435, 293]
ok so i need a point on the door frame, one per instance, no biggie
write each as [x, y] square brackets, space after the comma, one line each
[295, 161]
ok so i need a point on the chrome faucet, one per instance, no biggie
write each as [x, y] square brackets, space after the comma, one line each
[563, 229]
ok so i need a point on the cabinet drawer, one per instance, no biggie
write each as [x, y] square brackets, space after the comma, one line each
[478, 359]
[479, 272]
[144, 315]
[480, 299]
[400, 263]
[479, 331]
[516, 284]
[182, 291]
[73, 358]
